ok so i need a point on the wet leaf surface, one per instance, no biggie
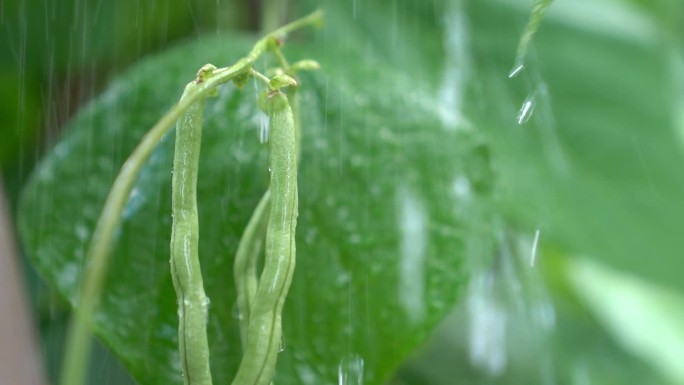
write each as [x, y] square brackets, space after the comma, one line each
[378, 251]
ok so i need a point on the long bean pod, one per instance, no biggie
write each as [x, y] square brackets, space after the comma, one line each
[185, 264]
[252, 239]
[245, 267]
[265, 327]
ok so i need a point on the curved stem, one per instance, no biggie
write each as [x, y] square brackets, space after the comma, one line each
[281, 59]
[99, 249]
[259, 75]
[540, 7]
[97, 257]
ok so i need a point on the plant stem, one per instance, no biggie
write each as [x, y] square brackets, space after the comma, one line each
[260, 76]
[99, 249]
[536, 16]
[97, 257]
[281, 59]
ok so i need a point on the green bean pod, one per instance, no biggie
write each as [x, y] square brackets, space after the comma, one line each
[185, 266]
[245, 266]
[265, 330]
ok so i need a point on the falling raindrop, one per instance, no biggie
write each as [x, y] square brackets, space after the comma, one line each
[517, 69]
[536, 16]
[526, 110]
[413, 229]
[350, 370]
[281, 348]
[263, 128]
[462, 187]
[533, 253]
[206, 303]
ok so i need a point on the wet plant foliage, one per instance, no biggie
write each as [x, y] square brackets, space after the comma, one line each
[426, 175]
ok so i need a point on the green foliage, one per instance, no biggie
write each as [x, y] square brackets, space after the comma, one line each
[625, 304]
[415, 158]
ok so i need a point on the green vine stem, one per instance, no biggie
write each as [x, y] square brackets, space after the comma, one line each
[264, 332]
[538, 11]
[99, 249]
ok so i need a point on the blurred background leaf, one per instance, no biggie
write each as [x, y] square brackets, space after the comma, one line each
[624, 304]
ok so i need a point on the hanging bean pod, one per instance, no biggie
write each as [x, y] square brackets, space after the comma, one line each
[245, 267]
[264, 332]
[185, 266]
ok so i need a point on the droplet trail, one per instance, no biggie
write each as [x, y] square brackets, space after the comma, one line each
[350, 370]
[516, 70]
[526, 110]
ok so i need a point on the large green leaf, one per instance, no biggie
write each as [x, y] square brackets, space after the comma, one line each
[379, 252]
